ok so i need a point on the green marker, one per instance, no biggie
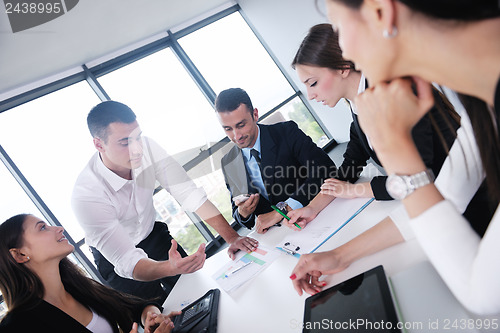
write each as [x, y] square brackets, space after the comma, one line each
[284, 215]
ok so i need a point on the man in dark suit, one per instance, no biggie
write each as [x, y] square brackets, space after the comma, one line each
[273, 164]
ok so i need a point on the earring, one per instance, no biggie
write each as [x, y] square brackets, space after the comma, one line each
[28, 258]
[392, 34]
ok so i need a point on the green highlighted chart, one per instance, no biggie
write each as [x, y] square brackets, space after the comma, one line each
[246, 265]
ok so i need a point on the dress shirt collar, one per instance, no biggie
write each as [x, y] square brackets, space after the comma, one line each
[361, 88]
[362, 84]
[256, 146]
[112, 178]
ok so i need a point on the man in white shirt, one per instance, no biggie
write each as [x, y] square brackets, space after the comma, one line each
[113, 202]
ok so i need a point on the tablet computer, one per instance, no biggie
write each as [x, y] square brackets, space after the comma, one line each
[360, 304]
[199, 316]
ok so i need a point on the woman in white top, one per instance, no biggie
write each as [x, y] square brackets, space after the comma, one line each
[438, 41]
[46, 292]
[328, 77]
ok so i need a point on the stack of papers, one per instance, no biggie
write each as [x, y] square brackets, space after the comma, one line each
[244, 267]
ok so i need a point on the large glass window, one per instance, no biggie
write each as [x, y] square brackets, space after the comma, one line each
[169, 106]
[296, 110]
[49, 141]
[13, 199]
[228, 55]
[48, 138]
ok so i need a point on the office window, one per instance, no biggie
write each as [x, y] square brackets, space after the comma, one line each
[172, 111]
[14, 200]
[296, 110]
[48, 138]
[49, 141]
[229, 55]
[169, 106]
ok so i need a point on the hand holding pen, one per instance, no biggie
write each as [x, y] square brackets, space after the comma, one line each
[286, 217]
[301, 216]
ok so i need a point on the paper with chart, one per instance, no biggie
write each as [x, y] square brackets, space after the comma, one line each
[244, 267]
[328, 222]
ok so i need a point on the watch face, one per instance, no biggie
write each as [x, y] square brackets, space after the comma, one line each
[281, 205]
[396, 187]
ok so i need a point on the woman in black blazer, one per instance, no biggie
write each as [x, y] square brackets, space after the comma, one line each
[46, 292]
[329, 78]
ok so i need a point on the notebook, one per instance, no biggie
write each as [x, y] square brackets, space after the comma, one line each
[360, 304]
[199, 316]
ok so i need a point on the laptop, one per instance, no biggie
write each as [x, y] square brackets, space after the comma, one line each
[360, 304]
[199, 316]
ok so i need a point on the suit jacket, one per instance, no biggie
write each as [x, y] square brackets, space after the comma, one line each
[427, 140]
[292, 167]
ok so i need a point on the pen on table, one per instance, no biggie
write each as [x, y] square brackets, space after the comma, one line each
[237, 269]
[284, 215]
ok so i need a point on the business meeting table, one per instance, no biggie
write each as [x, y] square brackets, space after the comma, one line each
[269, 303]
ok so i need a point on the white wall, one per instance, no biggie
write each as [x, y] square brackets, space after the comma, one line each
[283, 24]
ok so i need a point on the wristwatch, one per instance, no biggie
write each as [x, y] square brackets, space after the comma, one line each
[400, 186]
[282, 206]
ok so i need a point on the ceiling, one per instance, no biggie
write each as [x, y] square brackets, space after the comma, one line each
[92, 29]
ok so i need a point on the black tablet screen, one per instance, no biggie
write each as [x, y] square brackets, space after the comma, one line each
[360, 304]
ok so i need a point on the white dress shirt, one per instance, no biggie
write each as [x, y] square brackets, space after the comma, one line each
[99, 324]
[117, 214]
[469, 265]
[459, 178]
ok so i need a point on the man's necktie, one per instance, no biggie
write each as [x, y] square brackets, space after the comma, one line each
[255, 154]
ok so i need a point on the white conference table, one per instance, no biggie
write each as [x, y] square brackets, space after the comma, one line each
[268, 302]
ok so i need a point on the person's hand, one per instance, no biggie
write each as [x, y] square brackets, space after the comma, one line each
[265, 221]
[159, 323]
[305, 276]
[247, 207]
[246, 244]
[134, 329]
[388, 111]
[187, 264]
[301, 216]
[342, 189]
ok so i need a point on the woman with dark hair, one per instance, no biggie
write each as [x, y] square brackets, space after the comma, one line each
[45, 291]
[328, 77]
[400, 45]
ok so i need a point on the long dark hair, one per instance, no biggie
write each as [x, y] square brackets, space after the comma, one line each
[320, 48]
[23, 289]
[459, 10]
[482, 119]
